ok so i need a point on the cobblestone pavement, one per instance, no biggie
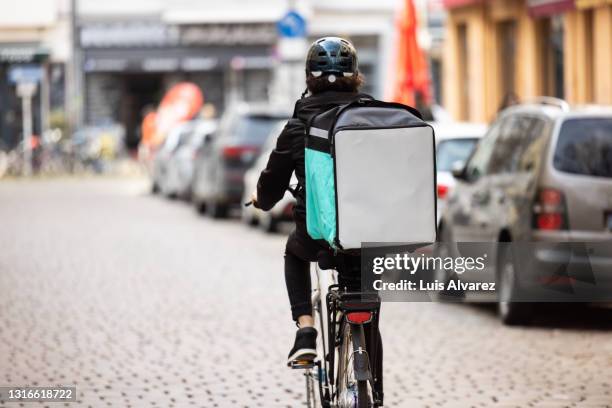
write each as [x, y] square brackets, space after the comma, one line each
[141, 303]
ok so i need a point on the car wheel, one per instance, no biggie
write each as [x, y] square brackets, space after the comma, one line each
[200, 207]
[511, 311]
[268, 223]
[216, 210]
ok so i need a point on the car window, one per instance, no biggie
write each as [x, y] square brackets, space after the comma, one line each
[253, 129]
[451, 151]
[479, 161]
[584, 147]
[533, 145]
[508, 147]
[519, 145]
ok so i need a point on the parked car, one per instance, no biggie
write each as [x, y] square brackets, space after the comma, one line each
[164, 153]
[454, 144]
[541, 174]
[180, 166]
[228, 153]
[283, 210]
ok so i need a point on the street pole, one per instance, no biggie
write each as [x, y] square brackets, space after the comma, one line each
[26, 91]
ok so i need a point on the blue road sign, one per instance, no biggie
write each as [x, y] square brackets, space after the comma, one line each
[292, 25]
[25, 74]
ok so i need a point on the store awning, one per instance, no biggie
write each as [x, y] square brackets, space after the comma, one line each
[542, 8]
[583, 4]
[460, 3]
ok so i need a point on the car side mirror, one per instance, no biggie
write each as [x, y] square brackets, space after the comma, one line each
[458, 170]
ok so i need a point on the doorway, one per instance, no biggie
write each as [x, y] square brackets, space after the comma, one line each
[141, 92]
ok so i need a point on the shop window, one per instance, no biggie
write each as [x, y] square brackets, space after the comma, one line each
[506, 37]
[462, 72]
[551, 56]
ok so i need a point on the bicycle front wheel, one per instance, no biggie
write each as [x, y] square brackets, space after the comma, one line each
[354, 374]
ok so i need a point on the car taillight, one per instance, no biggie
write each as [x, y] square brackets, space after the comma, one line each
[549, 210]
[239, 152]
[442, 191]
[359, 317]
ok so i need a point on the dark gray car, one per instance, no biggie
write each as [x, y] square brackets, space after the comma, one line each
[227, 154]
[542, 174]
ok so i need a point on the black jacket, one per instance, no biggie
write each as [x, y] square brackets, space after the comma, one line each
[288, 156]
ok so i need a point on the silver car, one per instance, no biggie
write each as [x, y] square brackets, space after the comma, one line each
[542, 174]
[220, 166]
[181, 162]
[164, 153]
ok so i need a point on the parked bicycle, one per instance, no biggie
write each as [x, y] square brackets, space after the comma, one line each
[344, 375]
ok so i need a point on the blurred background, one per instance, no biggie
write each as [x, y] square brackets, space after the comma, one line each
[139, 300]
[97, 69]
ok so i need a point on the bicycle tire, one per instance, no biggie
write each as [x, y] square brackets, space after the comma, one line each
[362, 394]
[363, 399]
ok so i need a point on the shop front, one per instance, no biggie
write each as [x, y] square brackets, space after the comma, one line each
[14, 56]
[128, 66]
[498, 50]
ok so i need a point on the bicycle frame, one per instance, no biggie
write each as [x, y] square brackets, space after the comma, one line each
[329, 318]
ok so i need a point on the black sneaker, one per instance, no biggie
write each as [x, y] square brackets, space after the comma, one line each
[305, 346]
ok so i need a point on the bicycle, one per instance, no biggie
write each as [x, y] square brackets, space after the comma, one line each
[342, 322]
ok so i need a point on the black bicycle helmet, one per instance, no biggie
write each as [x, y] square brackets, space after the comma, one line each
[331, 55]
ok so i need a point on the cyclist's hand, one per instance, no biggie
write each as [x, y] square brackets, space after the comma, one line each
[254, 199]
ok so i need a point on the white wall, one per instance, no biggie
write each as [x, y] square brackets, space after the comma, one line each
[28, 13]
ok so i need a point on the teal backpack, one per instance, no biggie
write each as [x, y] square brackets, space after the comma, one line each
[370, 175]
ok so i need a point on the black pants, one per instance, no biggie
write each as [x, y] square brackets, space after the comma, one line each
[300, 251]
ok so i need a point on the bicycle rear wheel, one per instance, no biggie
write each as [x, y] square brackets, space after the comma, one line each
[354, 373]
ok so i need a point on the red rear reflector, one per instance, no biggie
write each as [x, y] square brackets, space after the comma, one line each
[442, 191]
[549, 210]
[550, 221]
[359, 317]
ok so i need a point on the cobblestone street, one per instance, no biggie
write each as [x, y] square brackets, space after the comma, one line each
[140, 302]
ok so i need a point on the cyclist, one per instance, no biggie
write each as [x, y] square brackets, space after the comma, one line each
[332, 79]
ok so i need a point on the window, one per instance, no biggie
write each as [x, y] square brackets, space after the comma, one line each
[462, 72]
[479, 161]
[510, 144]
[506, 38]
[551, 55]
[533, 146]
[585, 147]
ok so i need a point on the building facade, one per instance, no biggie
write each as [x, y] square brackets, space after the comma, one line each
[34, 37]
[497, 50]
[130, 53]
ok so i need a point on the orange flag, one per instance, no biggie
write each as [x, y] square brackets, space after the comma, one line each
[411, 75]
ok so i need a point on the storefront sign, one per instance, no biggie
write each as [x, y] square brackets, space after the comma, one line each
[541, 8]
[227, 34]
[15, 54]
[171, 60]
[147, 34]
